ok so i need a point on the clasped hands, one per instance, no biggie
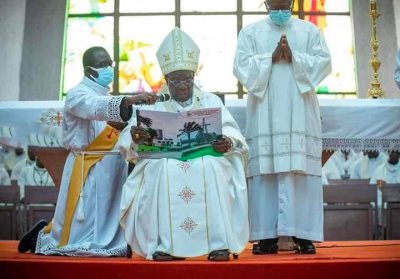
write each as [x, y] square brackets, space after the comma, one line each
[282, 51]
[140, 135]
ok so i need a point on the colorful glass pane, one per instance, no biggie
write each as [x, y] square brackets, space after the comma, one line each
[143, 6]
[253, 6]
[90, 6]
[216, 37]
[328, 6]
[339, 38]
[83, 33]
[139, 40]
[208, 6]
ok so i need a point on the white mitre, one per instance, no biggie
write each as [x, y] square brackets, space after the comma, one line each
[178, 52]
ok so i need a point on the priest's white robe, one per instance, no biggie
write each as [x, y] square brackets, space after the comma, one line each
[4, 177]
[86, 109]
[33, 176]
[364, 167]
[190, 208]
[283, 127]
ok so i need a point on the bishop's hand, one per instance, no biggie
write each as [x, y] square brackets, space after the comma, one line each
[222, 145]
[139, 134]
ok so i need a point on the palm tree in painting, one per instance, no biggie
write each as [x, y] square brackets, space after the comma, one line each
[188, 128]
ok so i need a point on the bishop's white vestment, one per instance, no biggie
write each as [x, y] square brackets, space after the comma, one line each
[86, 109]
[283, 128]
[186, 208]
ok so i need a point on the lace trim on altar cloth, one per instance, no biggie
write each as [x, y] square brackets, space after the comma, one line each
[78, 250]
[113, 112]
[360, 144]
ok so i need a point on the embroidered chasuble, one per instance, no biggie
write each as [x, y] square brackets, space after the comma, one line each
[186, 208]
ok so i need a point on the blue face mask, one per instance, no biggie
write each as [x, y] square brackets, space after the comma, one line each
[105, 76]
[280, 17]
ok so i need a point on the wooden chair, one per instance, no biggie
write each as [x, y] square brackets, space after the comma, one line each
[349, 181]
[391, 212]
[40, 203]
[9, 200]
[349, 212]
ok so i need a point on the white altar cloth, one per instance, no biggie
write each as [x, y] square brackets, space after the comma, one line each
[356, 124]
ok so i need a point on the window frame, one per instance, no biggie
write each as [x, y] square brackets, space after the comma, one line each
[239, 13]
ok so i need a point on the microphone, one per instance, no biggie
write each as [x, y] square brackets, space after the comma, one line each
[159, 98]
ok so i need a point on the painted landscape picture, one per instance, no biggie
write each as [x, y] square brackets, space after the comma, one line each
[183, 135]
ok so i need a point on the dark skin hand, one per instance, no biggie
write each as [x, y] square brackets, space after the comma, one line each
[148, 98]
[117, 125]
[282, 51]
[222, 145]
[140, 135]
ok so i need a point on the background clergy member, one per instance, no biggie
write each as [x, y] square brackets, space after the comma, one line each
[280, 60]
[86, 218]
[173, 209]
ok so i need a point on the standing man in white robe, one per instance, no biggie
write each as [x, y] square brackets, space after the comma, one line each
[86, 218]
[280, 60]
[173, 209]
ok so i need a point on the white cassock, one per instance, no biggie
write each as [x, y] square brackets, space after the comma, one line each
[16, 171]
[344, 163]
[4, 177]
[86, 109]
[388, 173]
[283, 128]
[33, 176]
[190, 208]
[365, 167]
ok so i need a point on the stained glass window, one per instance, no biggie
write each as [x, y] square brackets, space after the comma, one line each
[131, 31]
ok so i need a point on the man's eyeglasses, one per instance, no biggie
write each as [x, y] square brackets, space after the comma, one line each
[178, 83]
[277, 10]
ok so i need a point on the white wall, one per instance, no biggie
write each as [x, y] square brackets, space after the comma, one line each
[42, 50]
[12, 21]
[396, 8]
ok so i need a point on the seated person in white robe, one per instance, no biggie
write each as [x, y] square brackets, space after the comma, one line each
[86, 218]
[4, 177]
[28, 161]
[366, 166]
[281, 60]
[388, 172]
[173, 209]
[344, 161]
[34, 175]
[330, 171]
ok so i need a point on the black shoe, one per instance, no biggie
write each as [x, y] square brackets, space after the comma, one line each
[303, 246]
[28, 241]
[219, 255]
[266, 246]
[161, 256]
[128, 251]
